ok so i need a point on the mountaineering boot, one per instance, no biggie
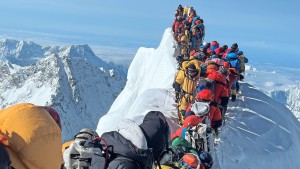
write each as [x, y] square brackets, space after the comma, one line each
[216, 133]
[237, 86]
[233, 97]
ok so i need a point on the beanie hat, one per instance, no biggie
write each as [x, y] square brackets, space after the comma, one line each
[179, 58]
[240, 52]
[234, 46]
[192, 120]
[219, 51]
[206, 159]
[190, 160]
[192, 68]
[214, 43]
[225, 47]
[205, 94]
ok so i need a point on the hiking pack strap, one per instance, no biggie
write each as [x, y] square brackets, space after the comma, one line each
[217, 82]
[83, 132]
[106, 150]
[203, 118]
[184, 92]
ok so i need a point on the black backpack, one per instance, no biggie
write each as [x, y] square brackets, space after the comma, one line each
[87, 151]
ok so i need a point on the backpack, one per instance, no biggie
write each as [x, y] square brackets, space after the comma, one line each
[233, 60]
[173, 154]
[87, 151]
[205, 83]
[235, 64]
[200, 108]
[201, 138]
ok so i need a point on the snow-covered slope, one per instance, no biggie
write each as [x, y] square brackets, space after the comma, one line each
[79, 85]
[259, 133]
[280, 83]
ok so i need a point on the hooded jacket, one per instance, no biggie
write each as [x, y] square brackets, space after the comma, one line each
[33, 137]
[220, 88]
[136, 146]
[156, 131]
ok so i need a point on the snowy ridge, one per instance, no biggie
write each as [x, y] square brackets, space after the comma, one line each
[71, 79]
[259, 132]
[150, 73]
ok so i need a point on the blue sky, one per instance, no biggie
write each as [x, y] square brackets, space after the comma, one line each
[267, 31]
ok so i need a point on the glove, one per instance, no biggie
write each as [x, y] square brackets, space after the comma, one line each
[177, 97]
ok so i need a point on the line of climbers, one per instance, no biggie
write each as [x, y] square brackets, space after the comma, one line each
[207, 78]
[209, 67]
[188, 29]
[30, 137]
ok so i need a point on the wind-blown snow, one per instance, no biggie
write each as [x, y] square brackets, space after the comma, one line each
[151, 73]
[259, 132]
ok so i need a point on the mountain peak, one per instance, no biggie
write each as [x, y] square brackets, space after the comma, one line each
[71, 79]
[22, 53]
[83, 51]
[25, 53]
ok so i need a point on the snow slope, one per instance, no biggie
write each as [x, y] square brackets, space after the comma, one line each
[259, 132]
[71, 79]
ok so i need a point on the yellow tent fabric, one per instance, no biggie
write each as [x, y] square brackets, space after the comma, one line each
[34, 138]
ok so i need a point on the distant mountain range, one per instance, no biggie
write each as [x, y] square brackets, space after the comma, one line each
[71, 79]
[280, 83]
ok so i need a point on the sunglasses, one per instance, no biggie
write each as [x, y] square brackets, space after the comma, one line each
[9, 165]
[192, 72]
